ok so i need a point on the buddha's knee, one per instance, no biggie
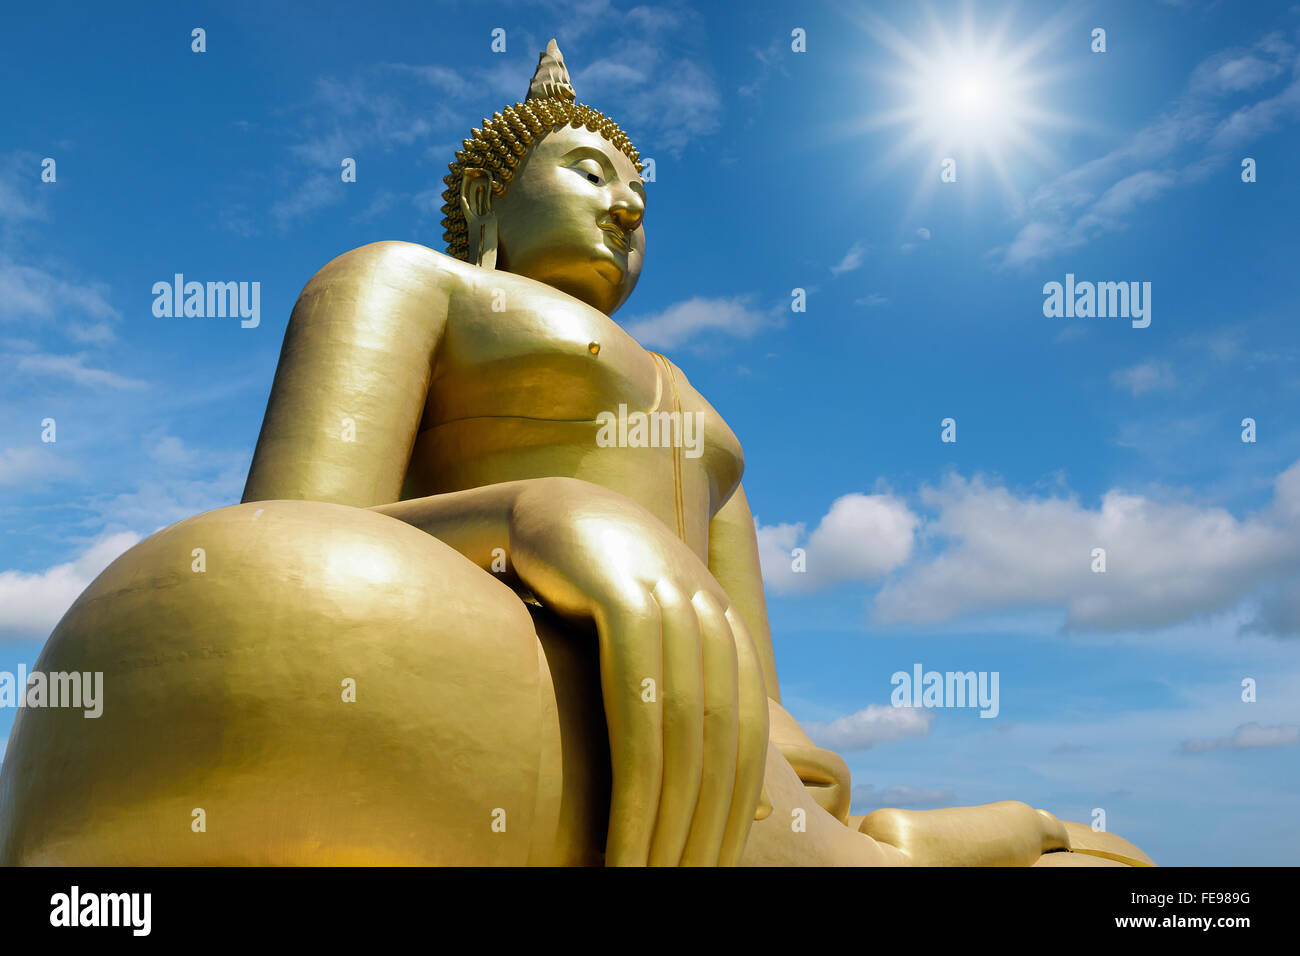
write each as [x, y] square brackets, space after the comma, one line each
[291, 682]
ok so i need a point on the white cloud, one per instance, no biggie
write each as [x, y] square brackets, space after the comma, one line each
[1145, 377]
[194, 481]
[861, 538]
[974, 547]
[873, 725]
[1166, 561]
[32, 603]
[685, 320]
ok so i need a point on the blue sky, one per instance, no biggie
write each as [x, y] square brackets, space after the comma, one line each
[775, 170]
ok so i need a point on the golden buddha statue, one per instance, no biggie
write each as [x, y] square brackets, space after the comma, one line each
[447, 625]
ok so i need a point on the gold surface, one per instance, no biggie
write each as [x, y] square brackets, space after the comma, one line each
[560, 650]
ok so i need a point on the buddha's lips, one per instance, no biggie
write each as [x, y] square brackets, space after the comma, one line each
[620, 237]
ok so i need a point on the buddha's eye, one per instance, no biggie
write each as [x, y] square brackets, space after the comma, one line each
[590, 170]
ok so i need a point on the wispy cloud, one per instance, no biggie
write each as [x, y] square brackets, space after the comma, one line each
[29, 292]
[771, 59]
[21, 199]
[28, 464]
[1144, 377]
[866, 797]
[178, 480]
[653, 76]
[851, 260]
[1249, 736]
[318, 191]
[75, 369]
[1203, 133]
[43, 291]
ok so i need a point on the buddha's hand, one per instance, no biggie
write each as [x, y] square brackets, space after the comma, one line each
[682, 687]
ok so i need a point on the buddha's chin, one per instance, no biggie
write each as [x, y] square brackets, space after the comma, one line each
[605, 287]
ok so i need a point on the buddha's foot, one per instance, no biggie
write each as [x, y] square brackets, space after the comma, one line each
[795, 830]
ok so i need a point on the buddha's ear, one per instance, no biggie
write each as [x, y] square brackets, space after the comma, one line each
[476, 204]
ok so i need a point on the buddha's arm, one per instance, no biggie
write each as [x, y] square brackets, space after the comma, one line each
[733, 559]
[353, 379]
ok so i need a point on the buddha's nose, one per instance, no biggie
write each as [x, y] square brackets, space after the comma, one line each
[628, 213]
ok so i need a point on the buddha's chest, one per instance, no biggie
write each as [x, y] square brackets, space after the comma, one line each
[512, 352]
[543, 384]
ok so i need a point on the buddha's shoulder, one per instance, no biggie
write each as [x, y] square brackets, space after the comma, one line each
[394, 263]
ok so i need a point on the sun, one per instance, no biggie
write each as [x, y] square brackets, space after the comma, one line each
[966, 93]
[968, 101]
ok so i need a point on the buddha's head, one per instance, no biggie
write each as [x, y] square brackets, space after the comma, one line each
[550, 189]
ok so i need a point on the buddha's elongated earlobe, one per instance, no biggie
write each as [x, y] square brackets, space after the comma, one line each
[476, 202]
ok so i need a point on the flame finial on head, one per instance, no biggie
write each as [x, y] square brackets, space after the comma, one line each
[551, 81]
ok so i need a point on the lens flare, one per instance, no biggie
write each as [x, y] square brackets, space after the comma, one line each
[965, 92]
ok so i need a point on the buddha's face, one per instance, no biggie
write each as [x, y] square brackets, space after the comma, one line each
[571, 217]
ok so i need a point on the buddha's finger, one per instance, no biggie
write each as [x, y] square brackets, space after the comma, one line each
[631, 673]
[682, 693]
[721, 731]
[751, 743]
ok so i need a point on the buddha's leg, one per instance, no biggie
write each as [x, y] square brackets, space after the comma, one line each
[230, 645]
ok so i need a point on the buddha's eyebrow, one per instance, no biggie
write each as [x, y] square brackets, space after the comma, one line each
[590, 152]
